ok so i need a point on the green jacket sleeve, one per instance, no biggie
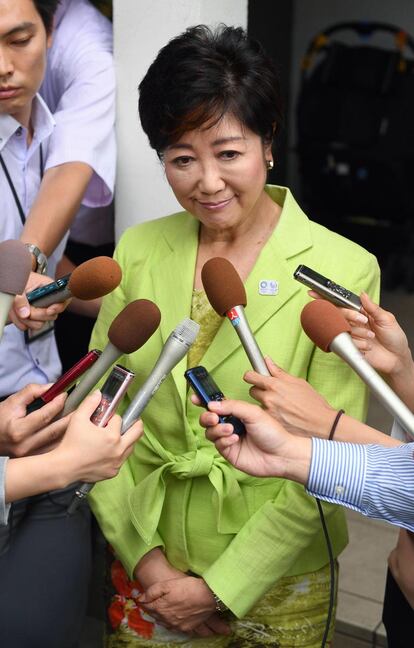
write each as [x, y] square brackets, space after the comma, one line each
[109, 498]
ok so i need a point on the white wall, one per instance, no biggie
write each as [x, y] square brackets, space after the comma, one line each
[141, 28]
[313, 16]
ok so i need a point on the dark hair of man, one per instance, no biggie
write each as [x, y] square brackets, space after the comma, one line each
[46, 9]
[203, 74]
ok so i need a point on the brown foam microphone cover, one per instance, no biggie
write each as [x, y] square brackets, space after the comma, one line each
[322, 322]
[95, 278]
[223, 285]
[134, 325]
[15, 267]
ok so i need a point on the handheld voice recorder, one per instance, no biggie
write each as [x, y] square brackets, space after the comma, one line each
[206, 389]
[66, 381]
[48, 289]
[112, 392]
[328, 289]
[33, 296]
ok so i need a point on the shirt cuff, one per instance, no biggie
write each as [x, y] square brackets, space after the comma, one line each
[398, 432]
[337, 472]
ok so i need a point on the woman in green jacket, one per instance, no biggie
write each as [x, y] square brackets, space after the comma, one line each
[178, 516]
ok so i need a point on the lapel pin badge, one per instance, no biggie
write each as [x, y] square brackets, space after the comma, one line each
[268, 287]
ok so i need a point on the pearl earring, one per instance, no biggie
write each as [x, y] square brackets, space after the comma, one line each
[269, 165]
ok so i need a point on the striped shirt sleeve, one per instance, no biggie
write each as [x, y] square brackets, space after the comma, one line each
[375, 481]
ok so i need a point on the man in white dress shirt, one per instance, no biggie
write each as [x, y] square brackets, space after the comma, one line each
[46, 568]
[79, 88]
[78, 164]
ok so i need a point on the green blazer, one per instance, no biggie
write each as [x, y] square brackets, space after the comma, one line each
[239, 532]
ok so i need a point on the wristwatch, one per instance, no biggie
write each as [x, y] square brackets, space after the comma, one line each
[220, 606]
[40, 258]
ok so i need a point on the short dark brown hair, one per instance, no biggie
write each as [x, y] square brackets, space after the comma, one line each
[46, 9]
[202, 74]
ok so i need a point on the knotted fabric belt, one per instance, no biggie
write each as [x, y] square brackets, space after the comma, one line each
[146, 500]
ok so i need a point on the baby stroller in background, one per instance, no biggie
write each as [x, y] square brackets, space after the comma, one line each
[355, 142]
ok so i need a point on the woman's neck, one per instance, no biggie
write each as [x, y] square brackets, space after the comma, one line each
[255, 230]
[241, 245]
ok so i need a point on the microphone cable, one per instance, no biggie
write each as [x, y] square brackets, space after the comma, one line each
[331, 570]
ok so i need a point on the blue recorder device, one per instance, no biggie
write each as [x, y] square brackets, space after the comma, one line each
[206, 389]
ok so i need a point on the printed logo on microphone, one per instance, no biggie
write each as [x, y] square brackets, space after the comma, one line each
[233, 317]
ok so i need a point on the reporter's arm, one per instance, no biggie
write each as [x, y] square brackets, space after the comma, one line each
[87, 453]
[28, 476]
[381, 339]
[50, 217]
[352, 431]
[375, 481]
[295, 404]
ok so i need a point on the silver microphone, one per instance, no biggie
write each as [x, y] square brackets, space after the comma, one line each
[328, 329]
[225, 291]
[174, 350]
[238, 320]
[344, 347]
[129, 331]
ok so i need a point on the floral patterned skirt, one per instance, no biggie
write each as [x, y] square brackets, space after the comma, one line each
[291, 615]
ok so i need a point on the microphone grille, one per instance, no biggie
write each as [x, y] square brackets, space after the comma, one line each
[187, 330]
[134, 325]
[223, 285]
[15, 267]
[322, 322]
[95, 278]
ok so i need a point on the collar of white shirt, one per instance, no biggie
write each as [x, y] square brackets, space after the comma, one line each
[61, 10]
[42, 121]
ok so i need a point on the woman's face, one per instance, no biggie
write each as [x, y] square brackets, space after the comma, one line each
[218, 173]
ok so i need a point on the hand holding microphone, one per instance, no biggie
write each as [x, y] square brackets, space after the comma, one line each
[385, 347]
[327, 328]
[86, 452]
[226, 294]
[292, 401]
[90, 280]
[95, 453]
[66, 381]
[21, 435]
[113, 391]
[15, 268]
